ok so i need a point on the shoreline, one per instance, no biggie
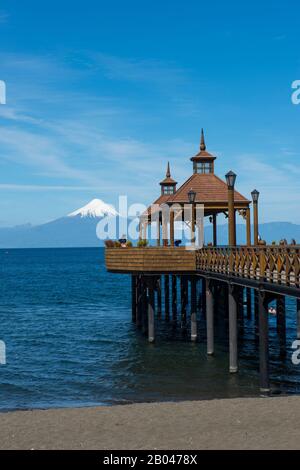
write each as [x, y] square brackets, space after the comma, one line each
[233, 423]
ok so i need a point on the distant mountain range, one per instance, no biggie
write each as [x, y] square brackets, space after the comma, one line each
[78, 229]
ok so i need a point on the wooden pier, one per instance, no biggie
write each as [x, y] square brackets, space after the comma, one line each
[243, 280]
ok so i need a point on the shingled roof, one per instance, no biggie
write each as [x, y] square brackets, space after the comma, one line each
[208, 188]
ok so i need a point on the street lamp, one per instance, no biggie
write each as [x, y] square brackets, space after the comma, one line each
[191, 196]
[230, 180]
[192, 199]
[255, 196]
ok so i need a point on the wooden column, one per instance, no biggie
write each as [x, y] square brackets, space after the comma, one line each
[145, 226]
[281, 324]
[134, 298]
[159, 303]
[233, 330]
[298, 318]
[164, 228]
[139, 303]
[249, 302]
[167, 297]
[144, 305]
[183, 293]
[231, 217]
[151, 329]
[255, 223]
[248, 227]
[209, 317]
[203, 296]
[215, 240]
[174, 297]
[263, 342]
[172, 228]
[158, 231]
[256, 315]
[193, 225]
[193, 308]
[241, 309]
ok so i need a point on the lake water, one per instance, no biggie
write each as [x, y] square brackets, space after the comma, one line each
[70, 341]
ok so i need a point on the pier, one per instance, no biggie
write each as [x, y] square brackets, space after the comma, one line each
[234, 281]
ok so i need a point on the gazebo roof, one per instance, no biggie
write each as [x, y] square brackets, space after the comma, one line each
[203, 155]
[209, 188]
[168, 181]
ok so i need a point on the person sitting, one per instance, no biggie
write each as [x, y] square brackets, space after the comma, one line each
[123, 241]
[177, 242]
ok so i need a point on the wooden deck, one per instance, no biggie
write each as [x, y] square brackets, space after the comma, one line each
[272, 264]
[150, 260]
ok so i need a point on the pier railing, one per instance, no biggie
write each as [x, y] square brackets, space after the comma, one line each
[276, 264]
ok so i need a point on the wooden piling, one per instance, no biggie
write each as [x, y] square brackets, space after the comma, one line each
[193, 308]
[134, 298]
[263, 341]
[298, 318]
[151, 329]
[249, 303]
[281, 324]
[139, 303]
[256, 315]
[209, 317]
[159, 301]
[174, 298]
[233, 329]
[184, 294]
[167, 297]
[144, 305]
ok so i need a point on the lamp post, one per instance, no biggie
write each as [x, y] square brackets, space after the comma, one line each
[255, 196]
[192, 198]
[230, 180]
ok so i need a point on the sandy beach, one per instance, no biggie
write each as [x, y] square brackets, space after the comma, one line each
[248, 423]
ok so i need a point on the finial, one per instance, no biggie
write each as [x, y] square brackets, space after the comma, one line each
[168, 174]
[202, 142]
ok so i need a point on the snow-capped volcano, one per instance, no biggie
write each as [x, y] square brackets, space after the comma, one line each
[95, 208]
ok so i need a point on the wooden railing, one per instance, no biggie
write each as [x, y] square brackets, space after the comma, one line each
[276, 264]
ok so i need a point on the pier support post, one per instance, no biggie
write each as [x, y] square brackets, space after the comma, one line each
[193, 308]
[139, 316]
[263, 341]
[233, 329]
[209, 317]
[256, 315]
[158, 288]
[174, 297]
[298, 318]
[144, 305]
[134, 298]
[249, 303]
[167, 297]
[183, 293]
[151, 331]
[281, 324]
[241, 309]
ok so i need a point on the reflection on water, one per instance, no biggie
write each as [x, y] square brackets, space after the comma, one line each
[70, 340]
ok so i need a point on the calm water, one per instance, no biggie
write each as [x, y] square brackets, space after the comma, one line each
[70, 341]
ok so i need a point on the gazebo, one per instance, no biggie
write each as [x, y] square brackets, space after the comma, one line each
[203, 188]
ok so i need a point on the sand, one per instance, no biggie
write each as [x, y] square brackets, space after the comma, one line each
[247, 423]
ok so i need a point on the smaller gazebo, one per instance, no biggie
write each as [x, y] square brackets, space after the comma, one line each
[211, 192]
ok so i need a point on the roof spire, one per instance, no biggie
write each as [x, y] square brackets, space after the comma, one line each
[202, 141]
[168, 174]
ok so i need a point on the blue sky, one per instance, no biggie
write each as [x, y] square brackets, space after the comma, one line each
[100, 95]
